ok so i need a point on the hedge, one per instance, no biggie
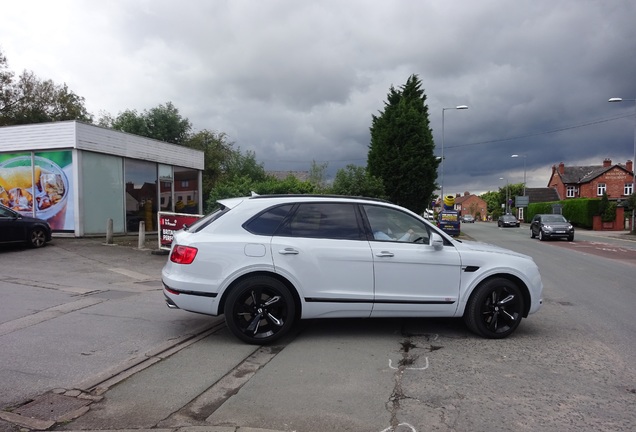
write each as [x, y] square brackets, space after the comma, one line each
[579, 211]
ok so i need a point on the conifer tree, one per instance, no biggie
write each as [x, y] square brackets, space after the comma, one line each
[401, 152]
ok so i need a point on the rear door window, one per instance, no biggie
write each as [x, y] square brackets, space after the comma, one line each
[339, 221]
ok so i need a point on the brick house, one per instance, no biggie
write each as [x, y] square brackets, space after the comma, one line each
[592, 181]
[472, 205]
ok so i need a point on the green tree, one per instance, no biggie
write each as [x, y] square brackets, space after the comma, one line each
[163, 123]
[493, 201]
[244, 165]
[401, 149]
[242, 185]
[356, 181]
[318, 174]
[217, 151]
[32, 100]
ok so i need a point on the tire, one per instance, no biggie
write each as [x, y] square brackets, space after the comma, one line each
[499, 224]
[37, 238]
[260, 310]
[532, 235]
[541, 235]
[571, 238]
[495, 309]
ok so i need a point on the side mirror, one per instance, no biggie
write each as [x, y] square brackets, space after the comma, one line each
[437, 241]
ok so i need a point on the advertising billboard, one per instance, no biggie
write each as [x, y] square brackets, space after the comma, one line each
[39, 185]
[169, 223]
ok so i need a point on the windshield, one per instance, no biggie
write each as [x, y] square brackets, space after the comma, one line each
[554, 218]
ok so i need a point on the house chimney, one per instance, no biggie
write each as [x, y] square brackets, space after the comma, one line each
[466, 193]
[561, 168]
[630, 166]
[607, 163]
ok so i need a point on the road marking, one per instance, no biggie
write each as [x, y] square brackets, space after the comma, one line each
[47, 314]
[409, 368]
[392, 429]
[130, 273]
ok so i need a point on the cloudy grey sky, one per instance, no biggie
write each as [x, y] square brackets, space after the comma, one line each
[297, 81]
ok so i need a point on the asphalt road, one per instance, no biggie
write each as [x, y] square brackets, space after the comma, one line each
[568, 368]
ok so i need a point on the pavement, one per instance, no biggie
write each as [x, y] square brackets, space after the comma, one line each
[92, 293]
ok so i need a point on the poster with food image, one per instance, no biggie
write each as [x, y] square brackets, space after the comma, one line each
[37, 184]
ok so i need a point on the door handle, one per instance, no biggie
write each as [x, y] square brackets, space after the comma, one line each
[288, 251]
[384, 254]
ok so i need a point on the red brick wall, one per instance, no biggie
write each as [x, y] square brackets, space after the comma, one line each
[615, 180]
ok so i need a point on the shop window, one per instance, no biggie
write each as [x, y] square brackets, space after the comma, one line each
[186, 184]
[141, 194]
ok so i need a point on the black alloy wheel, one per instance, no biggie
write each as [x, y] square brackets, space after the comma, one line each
[37, 238]
[259, 310]
[495, 309]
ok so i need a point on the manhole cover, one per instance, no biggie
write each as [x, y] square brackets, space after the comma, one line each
[51, 406]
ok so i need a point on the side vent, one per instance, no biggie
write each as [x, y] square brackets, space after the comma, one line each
[471, 269]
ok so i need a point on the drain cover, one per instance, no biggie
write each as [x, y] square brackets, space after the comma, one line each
[51, 406]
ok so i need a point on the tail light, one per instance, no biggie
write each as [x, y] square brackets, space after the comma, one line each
[183, 254]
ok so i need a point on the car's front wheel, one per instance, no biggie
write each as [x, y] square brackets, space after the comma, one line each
[542, 236]
[532, 235]
[495, 309]
[260, 310]
[37, 238]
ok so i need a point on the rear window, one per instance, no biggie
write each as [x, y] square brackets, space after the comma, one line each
[267, 222]
[206, 220]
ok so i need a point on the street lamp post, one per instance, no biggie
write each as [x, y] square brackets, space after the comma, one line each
[507, 199]
[458, 107]
[524, 170]
[617, 99]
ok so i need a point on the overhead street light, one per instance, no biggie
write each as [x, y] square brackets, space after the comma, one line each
[458, 107]
[524, 170]
[617, 99]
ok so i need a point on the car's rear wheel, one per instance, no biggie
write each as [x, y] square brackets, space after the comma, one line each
[260, 310]
[495, 309]
[37, 238]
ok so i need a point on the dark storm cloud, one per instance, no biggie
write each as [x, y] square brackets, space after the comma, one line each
[299, 81]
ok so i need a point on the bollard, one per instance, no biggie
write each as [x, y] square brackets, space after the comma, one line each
[109, 231]
[142, 235]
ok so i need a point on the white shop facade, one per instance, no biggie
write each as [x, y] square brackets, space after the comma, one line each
[78, 176]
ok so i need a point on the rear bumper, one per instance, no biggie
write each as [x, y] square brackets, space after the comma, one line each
[191, 301]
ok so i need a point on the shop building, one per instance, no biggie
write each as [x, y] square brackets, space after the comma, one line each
[78, 176]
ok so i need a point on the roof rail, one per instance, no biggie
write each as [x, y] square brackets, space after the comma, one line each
[318, 196]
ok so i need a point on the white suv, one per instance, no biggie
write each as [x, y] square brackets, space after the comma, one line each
[267, 261]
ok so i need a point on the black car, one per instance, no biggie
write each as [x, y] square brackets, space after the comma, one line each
[507, 220]
[547, 226]
[15, 228]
